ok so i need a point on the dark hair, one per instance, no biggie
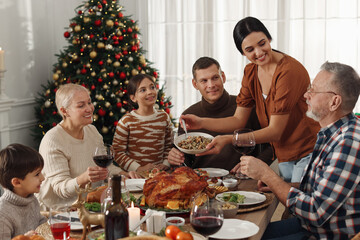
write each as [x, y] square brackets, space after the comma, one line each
[346, 81]
[16, 161]
[133, 85]
[246, 26]
[203, 63]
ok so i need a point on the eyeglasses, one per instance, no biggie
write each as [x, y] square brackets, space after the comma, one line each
[311, 91]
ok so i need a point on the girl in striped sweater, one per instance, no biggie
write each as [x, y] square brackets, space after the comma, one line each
[142, 138]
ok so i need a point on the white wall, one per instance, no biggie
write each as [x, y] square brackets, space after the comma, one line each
[31, 33]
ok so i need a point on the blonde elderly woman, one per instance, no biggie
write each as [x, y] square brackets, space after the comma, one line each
[68, 147]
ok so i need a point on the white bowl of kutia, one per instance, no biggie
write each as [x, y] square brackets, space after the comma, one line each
[193, 142]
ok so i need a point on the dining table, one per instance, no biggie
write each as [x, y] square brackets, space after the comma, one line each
[259, 214]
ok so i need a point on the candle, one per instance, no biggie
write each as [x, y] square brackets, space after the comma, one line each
[134, 216]
[2, 63]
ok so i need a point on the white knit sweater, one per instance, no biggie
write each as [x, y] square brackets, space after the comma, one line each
[18, 215]
[65, 158]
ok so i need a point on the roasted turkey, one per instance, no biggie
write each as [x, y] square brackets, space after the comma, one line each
[179, 186]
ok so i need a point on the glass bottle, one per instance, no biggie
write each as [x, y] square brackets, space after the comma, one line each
[116, 216]
[106, 196]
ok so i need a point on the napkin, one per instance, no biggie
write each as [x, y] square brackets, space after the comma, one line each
[156, 222]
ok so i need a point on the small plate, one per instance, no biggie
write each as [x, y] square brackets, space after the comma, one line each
[191, 134]
[135, 185]
[236, 229]
[216, 172]
[251, 198]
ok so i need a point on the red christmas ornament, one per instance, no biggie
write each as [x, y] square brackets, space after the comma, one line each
[54, 112]
[116, 42]
[93, 87]
[91, 36]
[80, 12]
[97, 23]
[100, 80]
[91, 10]
[124, 30]
[117, 56]
[111, 74]
[167, 110]
[134, 48]
[83, 71]
[155, 74]
[66, 34]
[125, 52]
[169, 103]
[42, 112]
[99, 6]
[139, 68]
[135, 36]
[122, 75]
[132, 21]
[115, 123]
[81, 50]
[121, 38]
[119, 105]
[101, 62]
[166, 105]
[114, 38]
[125, 92]
[105, 38]
[83, 84]
[101, 112]
[116, 23]
[72, 24]
[129, 30]
[161, 103]
[120, 15]
[54, 124]
[104, 2]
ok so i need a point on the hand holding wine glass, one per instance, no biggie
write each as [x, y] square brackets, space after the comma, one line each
[206, 217]
[244, 143]
[104, 155]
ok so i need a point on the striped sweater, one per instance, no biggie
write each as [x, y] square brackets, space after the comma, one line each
[140, 140]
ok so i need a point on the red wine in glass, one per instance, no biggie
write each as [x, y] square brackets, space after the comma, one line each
[104, 155]
[244, 149]
[207, 225]
[103, 160]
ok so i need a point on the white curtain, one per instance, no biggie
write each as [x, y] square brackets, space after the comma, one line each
[180, 31]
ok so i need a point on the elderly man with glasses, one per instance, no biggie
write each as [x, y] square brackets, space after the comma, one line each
[325, 202]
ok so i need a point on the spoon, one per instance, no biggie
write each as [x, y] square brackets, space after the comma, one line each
[184, 126]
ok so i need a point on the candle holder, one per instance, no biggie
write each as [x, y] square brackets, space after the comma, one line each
[2, 85]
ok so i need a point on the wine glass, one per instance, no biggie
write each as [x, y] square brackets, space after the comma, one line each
[244, 143]
[60, 220]
[104, 155]
[206, 217]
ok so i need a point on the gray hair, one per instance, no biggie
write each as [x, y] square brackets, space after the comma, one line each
[346, 81]
[65, 94]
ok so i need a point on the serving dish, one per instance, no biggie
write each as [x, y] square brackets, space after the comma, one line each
[191, 134]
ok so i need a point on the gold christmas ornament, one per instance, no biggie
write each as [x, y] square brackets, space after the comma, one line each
[77, 28]
[47, 103]
[64, 65]
[127, 65]
[107, 104]
[132, 42]
[100, 45]
[109, 61]
[47, 92]
[88, 65]
[93, 54]
[109, 23]
[93, 74]
[100, 97]
[75, 56]
[55, 76]
[136, 28]
[131, 59]
[115, 82]
[78, 71]
[126, 82]
[103, 70]
[142, 60]
[104, 130]
[122, 110]
[120, 95]
[116, 64]
[142, 72]
[105, 86]
[134, 72]
[86, 19]
[89, 46]
[109, 47]
[104, 75]
[74, 41]
[95, 117]
[58, 71]
[111, 114]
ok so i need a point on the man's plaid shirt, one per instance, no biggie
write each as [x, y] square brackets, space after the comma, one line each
[327, 201]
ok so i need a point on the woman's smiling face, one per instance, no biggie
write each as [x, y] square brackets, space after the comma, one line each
[257, 48]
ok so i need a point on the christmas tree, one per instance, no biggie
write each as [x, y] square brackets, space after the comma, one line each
[103, 54]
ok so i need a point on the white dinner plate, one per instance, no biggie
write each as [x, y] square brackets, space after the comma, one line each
[216, 172]
[236, 229]
[197, 236]
[251, 198]
[76, 225]
[191, 134]
[135, 185]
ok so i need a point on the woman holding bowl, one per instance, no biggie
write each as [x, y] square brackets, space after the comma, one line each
[68, 149]
[274, 83]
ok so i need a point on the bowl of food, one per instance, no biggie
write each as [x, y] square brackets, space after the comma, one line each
[193, 143]
[214, 181]
[230, 183]
[177, 221]
[229, 209]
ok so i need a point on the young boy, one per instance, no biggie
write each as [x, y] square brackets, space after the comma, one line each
[21, 177]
